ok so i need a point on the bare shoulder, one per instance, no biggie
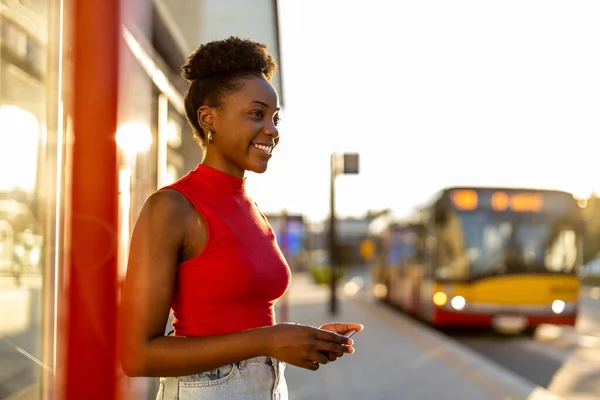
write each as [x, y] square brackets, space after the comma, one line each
[163, 218]
[170, 202]
[170, 218]
[168, 205]
[158, 238]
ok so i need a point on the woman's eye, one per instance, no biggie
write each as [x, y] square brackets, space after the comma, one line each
[276, 119]
[257, 113]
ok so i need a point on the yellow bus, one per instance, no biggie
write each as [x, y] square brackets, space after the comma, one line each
[506, 258]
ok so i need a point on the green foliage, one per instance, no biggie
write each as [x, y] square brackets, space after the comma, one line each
[322, 273]
[593, 280]
[591, 215]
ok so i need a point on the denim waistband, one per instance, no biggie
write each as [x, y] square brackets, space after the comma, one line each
[260, 360]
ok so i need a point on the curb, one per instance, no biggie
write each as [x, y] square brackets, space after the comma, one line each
[566, 334]
[472, 360]
[542, 394]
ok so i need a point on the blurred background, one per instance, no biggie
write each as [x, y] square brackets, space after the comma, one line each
[473, 126]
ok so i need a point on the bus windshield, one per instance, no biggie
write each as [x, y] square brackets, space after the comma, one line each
[482, 243]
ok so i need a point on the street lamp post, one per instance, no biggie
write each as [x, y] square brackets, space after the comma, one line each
[340, 164]
[333, 259]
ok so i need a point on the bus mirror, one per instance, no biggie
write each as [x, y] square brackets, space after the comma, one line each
[440, 215]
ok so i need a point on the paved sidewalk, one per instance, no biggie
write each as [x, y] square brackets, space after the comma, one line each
[396, 358]
[579, 376]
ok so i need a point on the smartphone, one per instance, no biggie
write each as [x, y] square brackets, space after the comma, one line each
[350, 333]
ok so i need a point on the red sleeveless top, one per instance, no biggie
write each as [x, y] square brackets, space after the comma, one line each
[233, 284]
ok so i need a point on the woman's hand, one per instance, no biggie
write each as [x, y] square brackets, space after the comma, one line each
[305, 346]
[340, 328]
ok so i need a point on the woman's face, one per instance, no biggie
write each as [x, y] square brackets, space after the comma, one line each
[244, 128]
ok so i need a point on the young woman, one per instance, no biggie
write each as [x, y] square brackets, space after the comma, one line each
[202, 248]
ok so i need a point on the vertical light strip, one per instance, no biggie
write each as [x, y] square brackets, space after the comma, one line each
[162, 146]
[59, 181]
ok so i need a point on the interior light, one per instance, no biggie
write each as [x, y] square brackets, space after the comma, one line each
[18, 148]
[134, 137]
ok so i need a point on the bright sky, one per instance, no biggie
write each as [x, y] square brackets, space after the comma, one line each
[432, 94]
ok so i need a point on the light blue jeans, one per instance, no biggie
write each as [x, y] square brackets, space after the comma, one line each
[259, 378]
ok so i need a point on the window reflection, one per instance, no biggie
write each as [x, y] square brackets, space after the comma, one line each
[23, 38]
[482, 243]
[562, 254]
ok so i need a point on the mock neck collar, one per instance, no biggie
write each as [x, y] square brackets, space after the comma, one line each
[222, 179]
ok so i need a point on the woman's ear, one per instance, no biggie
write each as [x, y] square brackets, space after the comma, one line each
[205, 117]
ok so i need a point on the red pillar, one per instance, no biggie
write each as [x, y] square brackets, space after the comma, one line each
[91, 356]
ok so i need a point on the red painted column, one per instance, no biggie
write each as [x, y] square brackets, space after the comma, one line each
[91, 332]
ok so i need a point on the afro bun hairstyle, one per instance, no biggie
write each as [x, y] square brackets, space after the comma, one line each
[214, 70]
[229, 56]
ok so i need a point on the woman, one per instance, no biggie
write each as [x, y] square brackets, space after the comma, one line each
[202, 248]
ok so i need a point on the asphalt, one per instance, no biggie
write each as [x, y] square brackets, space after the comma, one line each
[396, 357]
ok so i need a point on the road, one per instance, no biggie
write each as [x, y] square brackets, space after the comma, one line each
[534, 360]
[541, 361]
[537, 360]
[589, 314]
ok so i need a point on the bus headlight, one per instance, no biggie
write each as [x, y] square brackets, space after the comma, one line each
[458, 303]
[440, 299]
[558, 306]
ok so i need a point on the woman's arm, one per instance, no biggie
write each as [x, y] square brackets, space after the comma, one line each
[161, 234]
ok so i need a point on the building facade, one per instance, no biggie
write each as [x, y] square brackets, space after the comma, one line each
[155, 147]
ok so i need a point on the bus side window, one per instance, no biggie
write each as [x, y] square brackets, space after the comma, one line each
[420, 250]
[430, 252]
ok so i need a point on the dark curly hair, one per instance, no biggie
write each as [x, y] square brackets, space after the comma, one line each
[214, 71]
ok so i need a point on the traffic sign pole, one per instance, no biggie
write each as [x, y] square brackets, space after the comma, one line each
[284, 234]
[350, 166]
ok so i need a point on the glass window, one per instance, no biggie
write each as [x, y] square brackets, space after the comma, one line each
[480, 243]
[26, 195]
[562, 253]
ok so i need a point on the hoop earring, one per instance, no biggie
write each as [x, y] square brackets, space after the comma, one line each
[210, 136]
